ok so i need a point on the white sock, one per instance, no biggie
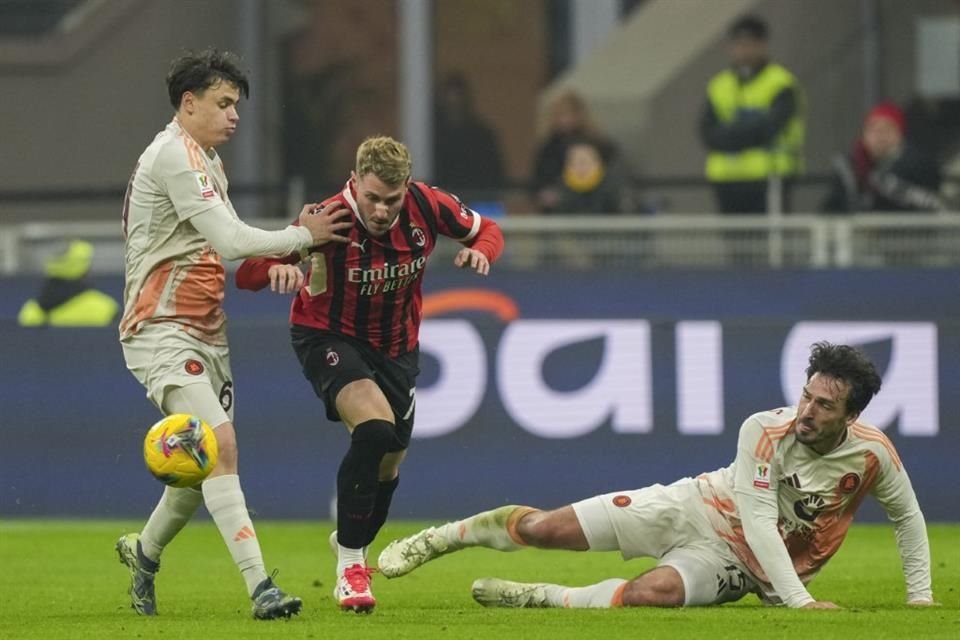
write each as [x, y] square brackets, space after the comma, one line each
[174, 510]
[347, 557]
[489, 529]
[225, 502]
[596, 596]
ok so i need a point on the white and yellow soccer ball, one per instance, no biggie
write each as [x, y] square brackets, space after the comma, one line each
[180, 450]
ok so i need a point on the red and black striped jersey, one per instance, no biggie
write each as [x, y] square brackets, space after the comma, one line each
[370, 288]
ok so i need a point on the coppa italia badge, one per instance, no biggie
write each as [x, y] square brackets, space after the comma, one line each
[761, 478]
[206, 189]
[333, 358]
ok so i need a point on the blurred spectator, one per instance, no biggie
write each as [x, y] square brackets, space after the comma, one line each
[883, 172]
[569, 121]
[466, 150]
[67, 299]
[588, 184]
[752, 123]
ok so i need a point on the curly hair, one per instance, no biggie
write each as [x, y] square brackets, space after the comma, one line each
[197, 72]
[849, 364]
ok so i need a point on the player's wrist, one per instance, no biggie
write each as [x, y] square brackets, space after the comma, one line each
[305, 235]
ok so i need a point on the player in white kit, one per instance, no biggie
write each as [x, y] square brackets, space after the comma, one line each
[766, 524]
[178, 223]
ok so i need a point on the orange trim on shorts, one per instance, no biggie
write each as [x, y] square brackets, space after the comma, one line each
[513, 521]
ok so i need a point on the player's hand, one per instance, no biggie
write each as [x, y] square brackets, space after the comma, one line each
[285, 278]
[821, 604]
[472, 259]
[325, 224]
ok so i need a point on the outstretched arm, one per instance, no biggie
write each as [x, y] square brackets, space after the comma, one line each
[755, 486]
[759, 520]
[483, 249]
[895, 494]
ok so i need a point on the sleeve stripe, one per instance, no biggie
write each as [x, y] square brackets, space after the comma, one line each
[449, 218]
[875, 435]
[474, 229]
[193, 154]
[764, 450]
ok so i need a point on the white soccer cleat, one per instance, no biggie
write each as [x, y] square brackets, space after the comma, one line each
[353, 589]
[494, 592]
[400, 557]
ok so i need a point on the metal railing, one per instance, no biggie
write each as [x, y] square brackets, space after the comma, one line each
[627, 242]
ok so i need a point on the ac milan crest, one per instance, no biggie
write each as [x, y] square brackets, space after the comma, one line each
[419, 237]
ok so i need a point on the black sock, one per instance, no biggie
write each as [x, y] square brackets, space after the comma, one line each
[381, 508]
[357, 480]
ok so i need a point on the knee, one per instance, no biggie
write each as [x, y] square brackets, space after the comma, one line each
[376, 434]
[661, 587]
[226, 448]
[536, 530]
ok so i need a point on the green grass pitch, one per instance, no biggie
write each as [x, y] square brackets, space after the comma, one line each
[61, 579]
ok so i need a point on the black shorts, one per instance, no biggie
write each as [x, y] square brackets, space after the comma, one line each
[331, 361]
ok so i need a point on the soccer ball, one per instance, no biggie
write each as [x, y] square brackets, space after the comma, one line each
[180, 450]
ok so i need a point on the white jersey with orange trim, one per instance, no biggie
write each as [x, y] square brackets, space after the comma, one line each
[795, 505]
[172, 272]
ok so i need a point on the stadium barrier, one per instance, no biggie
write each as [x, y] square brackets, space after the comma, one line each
[537, 387]
[669, 241]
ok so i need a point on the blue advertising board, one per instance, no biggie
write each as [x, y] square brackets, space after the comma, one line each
[537, 388]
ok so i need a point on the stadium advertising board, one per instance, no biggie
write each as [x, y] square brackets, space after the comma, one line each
[535, 388]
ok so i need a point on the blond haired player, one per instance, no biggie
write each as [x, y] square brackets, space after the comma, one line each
[355, 327]
[766, 524]
[179, 223]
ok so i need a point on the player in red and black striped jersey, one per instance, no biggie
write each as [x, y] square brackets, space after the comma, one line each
[355, 324]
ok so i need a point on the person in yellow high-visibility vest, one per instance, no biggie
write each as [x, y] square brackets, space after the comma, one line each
[67, 299]
[752, 123]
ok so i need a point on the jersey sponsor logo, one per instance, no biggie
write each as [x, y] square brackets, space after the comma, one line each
[206, 188]
[849, 483]
[387, 271]
[761, 476]
[419, 237]
[333, 358]
[809, 507]
[193, 367]
[621, 501]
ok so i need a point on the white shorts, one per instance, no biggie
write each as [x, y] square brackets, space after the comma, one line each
[667, 523]
[182, 374]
